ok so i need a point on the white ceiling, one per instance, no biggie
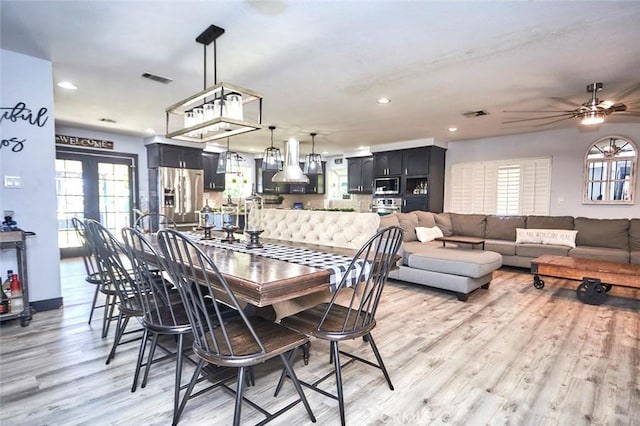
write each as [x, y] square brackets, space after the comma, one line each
[321, 65]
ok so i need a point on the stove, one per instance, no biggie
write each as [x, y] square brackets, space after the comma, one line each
[385, 206]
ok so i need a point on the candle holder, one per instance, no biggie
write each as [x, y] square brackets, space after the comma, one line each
[253, 222]
[230, 221]
[206, 221]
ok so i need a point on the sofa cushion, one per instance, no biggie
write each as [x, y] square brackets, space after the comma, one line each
[408, 223]
[536, 250]
[469, 225]
[505, 248]
[601, 253]
[611, 233]
[443, 221]
[504, 227]
[425, 219]
[389, 220]
[634, 234]
[468, 263]
[550, 222]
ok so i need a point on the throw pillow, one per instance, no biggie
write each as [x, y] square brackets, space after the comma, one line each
[443, 221]
[428, 234]
[558, 237]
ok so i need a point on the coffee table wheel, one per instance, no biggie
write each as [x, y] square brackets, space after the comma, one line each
[538, 282]
[591, 291]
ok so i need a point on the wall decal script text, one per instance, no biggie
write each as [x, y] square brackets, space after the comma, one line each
[20, 112]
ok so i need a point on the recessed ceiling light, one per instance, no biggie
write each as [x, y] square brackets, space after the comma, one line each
[363, 147]
[149, 130]
[383, 101]
[453, 129]
[67, 85]
[325, 152]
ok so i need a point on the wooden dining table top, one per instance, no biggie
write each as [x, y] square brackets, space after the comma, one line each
[262, 281]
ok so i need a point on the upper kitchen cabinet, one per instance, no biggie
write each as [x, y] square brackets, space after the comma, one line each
[416, 161]
[213, 181]
[387, 163]
[316, 183]
[265, 183]
[161, 155]
[360, 175]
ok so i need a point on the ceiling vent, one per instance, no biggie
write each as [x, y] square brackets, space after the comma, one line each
[157, 78]
[107, 120]
[472, 114]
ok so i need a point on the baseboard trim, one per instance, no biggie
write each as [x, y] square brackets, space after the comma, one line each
[46, 305]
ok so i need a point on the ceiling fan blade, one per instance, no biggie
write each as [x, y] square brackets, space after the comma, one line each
[620, 96]
[566, 101]
[542, 111]
[552, 122]
[565, 116]
[628, 113]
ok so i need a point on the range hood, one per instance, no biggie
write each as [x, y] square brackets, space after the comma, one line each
[291, 172]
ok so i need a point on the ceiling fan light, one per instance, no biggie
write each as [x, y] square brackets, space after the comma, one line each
[591, 118]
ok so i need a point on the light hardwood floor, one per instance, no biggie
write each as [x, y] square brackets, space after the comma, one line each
[510, 355]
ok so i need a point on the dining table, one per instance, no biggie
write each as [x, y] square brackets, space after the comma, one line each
[274, 287]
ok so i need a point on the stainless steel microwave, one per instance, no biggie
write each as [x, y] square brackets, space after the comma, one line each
[386, 186]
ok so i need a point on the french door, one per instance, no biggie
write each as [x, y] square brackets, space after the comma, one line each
[93, 185]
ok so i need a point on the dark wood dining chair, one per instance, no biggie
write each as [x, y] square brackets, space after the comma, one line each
[94, 277]
[351, 311]
[113, 264]
[239, 342]
[163, 311]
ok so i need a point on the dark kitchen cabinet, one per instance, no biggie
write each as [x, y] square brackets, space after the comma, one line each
[316, 183]
[264, 182]
[416, 161]
[359, 175]
[213, 181]
[415, 202]
[387, 163]
[162, 155]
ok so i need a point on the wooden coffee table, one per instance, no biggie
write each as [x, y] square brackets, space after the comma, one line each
[473, 241]
[597, 276]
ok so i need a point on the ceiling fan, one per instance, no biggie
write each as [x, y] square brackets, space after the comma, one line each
[593, 111]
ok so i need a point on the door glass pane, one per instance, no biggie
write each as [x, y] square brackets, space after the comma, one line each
[114, 195]
[69, 189]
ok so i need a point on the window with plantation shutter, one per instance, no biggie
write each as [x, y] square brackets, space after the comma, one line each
[508, 190]
[505, 187]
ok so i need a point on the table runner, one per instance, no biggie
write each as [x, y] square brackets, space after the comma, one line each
[336, 264]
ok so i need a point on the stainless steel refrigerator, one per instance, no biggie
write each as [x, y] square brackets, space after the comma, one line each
[177, 193]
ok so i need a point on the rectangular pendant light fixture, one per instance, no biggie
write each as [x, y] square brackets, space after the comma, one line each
[216, 112]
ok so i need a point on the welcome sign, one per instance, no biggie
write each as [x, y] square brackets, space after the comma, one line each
[83, 142]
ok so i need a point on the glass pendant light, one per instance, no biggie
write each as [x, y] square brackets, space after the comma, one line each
[272, 159]
[313, 162]
[229, 161]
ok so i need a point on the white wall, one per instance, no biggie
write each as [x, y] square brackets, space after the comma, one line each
[29, 80]
[567, 147]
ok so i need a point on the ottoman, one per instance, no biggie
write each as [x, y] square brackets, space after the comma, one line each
[457, 270]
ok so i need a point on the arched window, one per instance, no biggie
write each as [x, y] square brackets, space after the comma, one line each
[610, 171]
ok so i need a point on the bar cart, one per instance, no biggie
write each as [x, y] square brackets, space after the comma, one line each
[17, 240]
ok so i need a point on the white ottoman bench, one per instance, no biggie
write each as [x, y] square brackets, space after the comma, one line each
[454, 269]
